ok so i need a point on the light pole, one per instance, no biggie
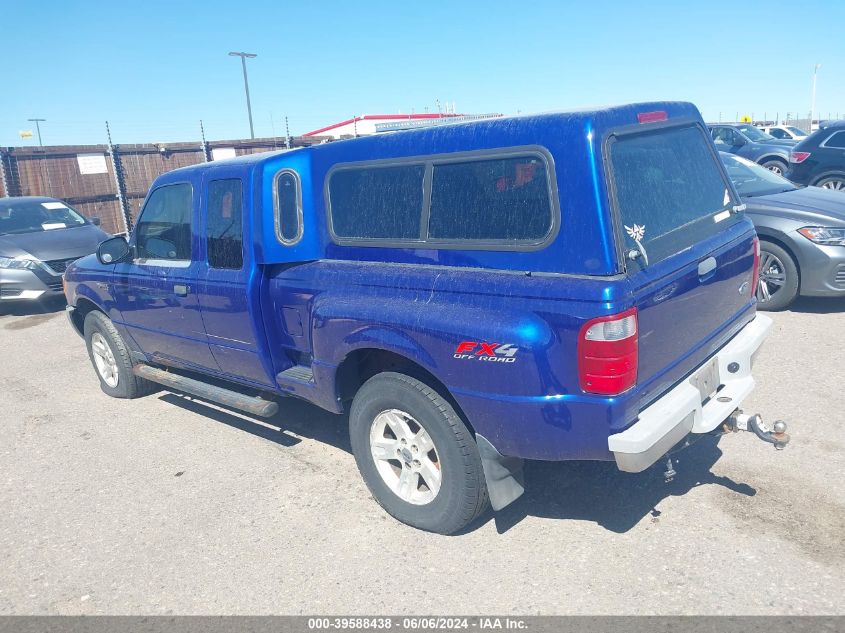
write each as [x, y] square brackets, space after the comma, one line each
[243, 57]
[38, 128]
[813, 102]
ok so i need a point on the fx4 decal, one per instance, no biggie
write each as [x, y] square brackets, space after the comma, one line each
[489, 352]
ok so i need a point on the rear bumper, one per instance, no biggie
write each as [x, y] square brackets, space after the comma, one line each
[680, 411]
[22, 285]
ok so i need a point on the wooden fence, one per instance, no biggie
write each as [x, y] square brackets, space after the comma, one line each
[110, 182]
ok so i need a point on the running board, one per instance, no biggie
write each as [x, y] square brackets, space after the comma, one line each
[250, 404]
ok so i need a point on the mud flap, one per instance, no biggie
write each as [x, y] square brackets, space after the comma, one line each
[504, 475]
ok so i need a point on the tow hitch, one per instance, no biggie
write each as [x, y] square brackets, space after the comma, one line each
[740, 421]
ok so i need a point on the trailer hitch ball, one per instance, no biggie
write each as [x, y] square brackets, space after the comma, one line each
[776, 436]
[779, 430]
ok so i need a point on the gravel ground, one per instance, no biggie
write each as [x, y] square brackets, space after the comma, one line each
[165, 505]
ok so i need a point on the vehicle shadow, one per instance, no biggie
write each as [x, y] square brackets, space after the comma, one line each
[583, 491]
[294, 420]
[601, 493]
[31, 308]
[818, 305]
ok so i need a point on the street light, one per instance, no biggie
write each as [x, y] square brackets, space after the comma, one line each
[813, 103]
[243, 57]
[38, 127]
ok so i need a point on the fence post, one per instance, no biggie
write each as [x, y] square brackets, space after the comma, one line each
[3, 180]
[13, 181]
[120, 183]
[206, 152]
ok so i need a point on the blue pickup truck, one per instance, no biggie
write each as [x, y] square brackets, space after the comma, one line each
[568, 286]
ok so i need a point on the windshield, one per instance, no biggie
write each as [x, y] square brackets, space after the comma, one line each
[750, 179]
[670, 192]
[31, 216]
[796, 131]
[754, 133]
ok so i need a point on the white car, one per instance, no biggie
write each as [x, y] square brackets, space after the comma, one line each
[786, 132]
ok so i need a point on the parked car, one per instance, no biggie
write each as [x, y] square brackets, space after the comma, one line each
[820, 158]
[571, 286]
[785, 132]
[802, 234]
[743, 139]
[39, 237]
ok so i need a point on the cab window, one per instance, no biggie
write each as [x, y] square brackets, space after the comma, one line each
[224, 225]
[724, 136]
[164, 228]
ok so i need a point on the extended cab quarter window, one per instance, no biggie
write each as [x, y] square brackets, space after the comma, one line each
[503, 199]
[225, 224]
[377, 202]
[164, 228]
[288, 208]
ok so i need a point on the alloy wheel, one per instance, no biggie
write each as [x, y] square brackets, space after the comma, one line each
[772, 277]
[104, 360]
[405, 457]
[834, 185]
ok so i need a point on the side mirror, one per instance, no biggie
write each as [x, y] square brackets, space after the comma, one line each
[94, 221]
[113, 250]
[739, 141]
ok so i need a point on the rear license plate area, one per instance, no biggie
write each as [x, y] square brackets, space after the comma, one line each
[706, 379]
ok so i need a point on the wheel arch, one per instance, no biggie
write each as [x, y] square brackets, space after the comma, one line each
[827, 174]
[362, 363]
[774, 239]
[84, 307]
[766, 158]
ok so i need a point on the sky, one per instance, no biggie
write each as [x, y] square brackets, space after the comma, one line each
[154, 69]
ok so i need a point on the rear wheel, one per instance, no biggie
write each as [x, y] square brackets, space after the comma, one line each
[776, 166]
[110, 357]
[416, 455]
[834, 183]
[778, 278]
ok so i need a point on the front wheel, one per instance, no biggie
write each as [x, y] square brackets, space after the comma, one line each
[110, 357]
[778, 283]
[416, 455]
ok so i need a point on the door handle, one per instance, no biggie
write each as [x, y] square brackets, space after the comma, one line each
[181, 290]
[706, 267]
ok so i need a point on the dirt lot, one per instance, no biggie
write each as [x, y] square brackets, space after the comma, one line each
[166, 505]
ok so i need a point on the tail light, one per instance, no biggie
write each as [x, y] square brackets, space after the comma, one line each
[608, 354]
[798, 157]
[755, 269]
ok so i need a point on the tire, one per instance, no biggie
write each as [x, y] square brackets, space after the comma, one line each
[777, 166]
[835, 182]
[385, 403]
[106, 347]
[779, 278]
